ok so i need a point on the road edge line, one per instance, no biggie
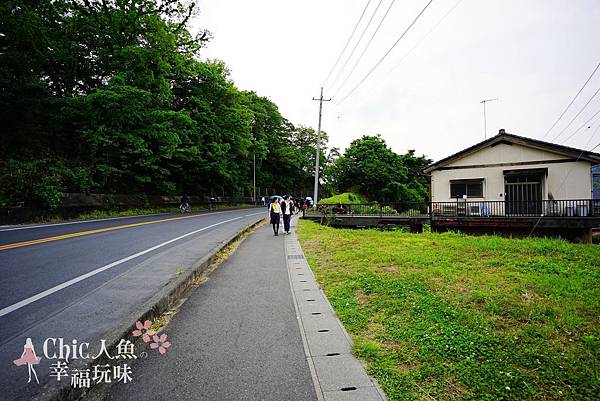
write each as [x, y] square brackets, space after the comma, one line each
[161, 302]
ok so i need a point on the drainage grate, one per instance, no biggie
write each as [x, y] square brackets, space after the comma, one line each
[295, 256]
[311, 300]
[333, 354]
[316, 313]
[303, 281]
[323, 331]
[348, 388]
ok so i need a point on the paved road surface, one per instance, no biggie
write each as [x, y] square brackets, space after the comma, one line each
[236, 338]
[78, 281]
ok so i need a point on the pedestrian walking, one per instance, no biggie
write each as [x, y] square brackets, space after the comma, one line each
[262, 200]
[286, 210]
[275, 214]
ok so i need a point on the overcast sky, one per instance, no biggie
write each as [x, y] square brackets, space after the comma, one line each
[533, 55]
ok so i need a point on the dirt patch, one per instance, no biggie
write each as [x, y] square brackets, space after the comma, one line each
[361, 298]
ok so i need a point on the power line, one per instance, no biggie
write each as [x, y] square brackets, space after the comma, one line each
[347, 43]
[572, 101]
[356, 44]
[387, 53]
[336, 105]
[577, 115]
[423, 38]
[366, 47]
[581, 126]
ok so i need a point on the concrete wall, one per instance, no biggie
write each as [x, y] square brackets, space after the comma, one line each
[565, 180]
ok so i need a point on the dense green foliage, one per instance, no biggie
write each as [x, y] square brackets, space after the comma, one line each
[454, 317]
[370, 167]
[109, 96]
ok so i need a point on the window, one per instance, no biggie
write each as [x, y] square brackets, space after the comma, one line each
[471, 188]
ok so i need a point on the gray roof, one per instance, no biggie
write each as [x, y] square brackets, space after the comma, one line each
[503, 137]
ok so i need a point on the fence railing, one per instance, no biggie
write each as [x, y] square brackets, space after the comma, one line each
[465, 208]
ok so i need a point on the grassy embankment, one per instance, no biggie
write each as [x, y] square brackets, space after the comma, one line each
[454, 317]
[346, 197]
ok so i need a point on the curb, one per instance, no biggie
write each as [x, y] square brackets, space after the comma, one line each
[343, 376]
[164, 299]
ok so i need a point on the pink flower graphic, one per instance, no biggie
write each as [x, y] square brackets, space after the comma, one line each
[143, 330]
[161, 343]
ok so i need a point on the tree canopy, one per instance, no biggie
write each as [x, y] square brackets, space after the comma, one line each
[111, 96]
[370, 167]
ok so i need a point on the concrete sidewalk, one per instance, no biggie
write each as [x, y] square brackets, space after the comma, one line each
[241, 336]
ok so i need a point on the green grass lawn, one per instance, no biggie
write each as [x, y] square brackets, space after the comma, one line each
[456, 317]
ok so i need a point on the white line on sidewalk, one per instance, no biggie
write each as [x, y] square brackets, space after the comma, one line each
[43, 294]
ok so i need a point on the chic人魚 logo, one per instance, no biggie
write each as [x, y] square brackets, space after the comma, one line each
[62, 351]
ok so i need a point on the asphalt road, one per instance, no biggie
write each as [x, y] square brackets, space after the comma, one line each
[78, 281]
[235, 339]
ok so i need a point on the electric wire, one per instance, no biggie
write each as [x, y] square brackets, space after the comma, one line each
[577, 115]
[356, 44]
[581, 126]
[347, 43]
[386, 53]
[572, 101]
[336, 105]
[365, 49]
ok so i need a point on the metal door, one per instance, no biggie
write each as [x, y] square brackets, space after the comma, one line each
[523, 195]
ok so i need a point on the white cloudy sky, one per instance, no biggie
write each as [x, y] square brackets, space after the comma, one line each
[533, 55]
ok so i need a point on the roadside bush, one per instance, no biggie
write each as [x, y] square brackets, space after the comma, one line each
[38, 182]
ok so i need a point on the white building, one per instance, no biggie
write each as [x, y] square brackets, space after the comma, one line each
[519, 171]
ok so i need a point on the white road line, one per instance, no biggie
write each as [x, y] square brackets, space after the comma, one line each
[12, 228]
[43, 294]
[254, 214]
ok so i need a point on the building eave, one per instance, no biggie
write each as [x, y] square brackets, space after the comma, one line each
[578, 154]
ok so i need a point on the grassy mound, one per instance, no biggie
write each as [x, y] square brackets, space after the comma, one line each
[346, 197]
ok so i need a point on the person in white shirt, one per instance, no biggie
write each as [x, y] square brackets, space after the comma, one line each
[286, 209]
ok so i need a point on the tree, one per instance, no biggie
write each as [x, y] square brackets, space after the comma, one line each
[371, 168]
[110, 96]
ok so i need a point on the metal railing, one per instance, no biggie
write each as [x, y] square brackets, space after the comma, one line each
[400, 209]
[579, 208]
[530, 208]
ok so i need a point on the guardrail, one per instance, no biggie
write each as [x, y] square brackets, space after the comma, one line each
[464, 208]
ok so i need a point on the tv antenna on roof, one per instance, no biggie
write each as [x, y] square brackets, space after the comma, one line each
[485, 117]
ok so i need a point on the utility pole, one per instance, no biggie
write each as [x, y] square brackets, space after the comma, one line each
[318, 146]
[485, 117]
[254, 160]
